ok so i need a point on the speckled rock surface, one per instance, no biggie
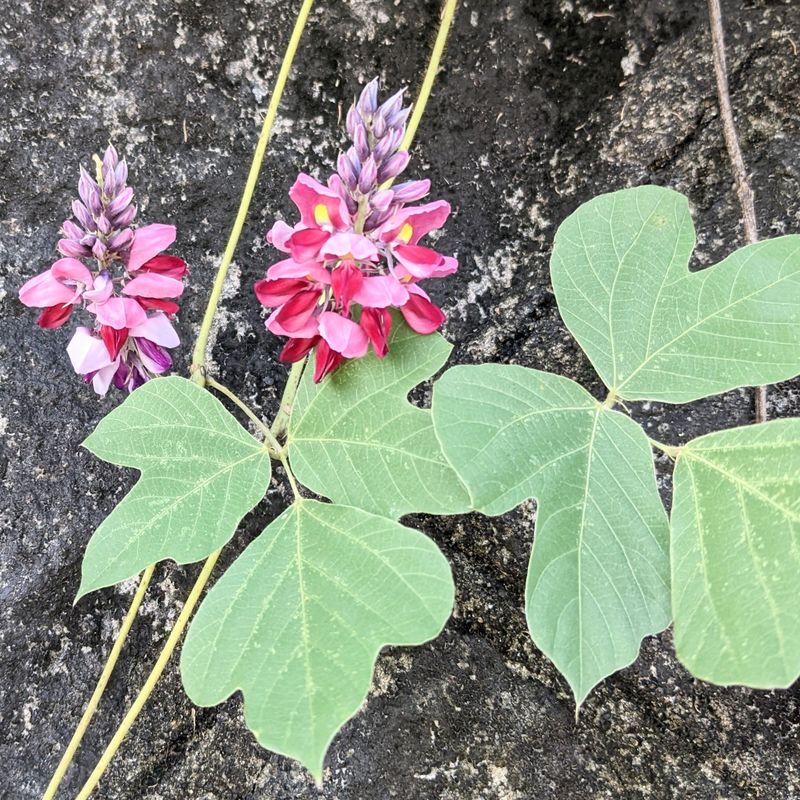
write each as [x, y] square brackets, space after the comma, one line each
[539, 106]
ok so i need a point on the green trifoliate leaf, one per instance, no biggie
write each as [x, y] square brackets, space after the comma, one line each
[736, 555]
[599, 569]
[356, 439]
[655, 331]
[298, 620]
[201, 473]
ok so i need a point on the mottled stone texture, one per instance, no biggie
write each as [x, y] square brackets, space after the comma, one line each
[539, 105]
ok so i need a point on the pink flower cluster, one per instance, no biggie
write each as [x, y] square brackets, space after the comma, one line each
[129, 286]
[355, 252]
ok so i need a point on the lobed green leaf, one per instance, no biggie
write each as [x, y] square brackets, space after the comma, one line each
[356, 439]
[598, 579]
[201, 473]
[736, 555]
[297, 622]
[655, 331]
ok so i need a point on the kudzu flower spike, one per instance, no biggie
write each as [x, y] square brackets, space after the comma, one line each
[355, 252]
[129, 286]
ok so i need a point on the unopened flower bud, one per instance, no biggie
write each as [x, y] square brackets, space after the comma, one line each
[83, 216]
[120, 202]
[360, 143]
[99, 250]
[368, 101]
[126, 217]
[381, 200]
[393, 166]
[346, 171]
[119, 241]
[103, 225]
[71, 230]
[411, 191]
[368, 177]
[72, 249]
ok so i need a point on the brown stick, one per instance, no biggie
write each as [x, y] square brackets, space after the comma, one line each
[743, 190]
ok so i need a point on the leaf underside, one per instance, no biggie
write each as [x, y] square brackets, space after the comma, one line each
[736, 555]
[598, 579]
[356, 439]
[296, 623]
[201, 472]
[655, 331]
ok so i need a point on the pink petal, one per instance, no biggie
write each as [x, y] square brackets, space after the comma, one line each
[381, 291]
[44, 290]
[289, 268]
[421, 262]
[304, 244]
[149, 241]
[119, 312]
[158, 329]
[310, 329]
[73, 270]
[151, 284]
[103, 377]
[103, 289]
[308, 193]
[343, 335]
[421, 314]
[421, 219]
[279, 235]
[87, 353]
[342, 245]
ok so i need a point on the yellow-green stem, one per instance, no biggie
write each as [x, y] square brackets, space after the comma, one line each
[199, 354]
[155, 674]
[281, 421]
[94, 700]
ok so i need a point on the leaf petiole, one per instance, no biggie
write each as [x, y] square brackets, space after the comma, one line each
[273, 445]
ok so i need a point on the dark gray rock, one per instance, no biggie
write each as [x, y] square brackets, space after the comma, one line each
[540, 105]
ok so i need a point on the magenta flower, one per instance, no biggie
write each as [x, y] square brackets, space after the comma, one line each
[130, 287]
[355, 252]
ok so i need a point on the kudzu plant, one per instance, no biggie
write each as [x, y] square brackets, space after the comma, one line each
[297, 621]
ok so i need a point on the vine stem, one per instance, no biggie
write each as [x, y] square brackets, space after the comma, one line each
[283, 417]
[199, 353]
[105, 675]
[155, 674]
[744, 191]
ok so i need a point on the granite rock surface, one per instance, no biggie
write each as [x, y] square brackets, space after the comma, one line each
[539, 106]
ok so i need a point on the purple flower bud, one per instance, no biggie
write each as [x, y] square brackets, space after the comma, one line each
[121, 173]
[110, 159]
[119, 241]
[72, 249]
[103, 225]
[382, 149]
[376, 218]
[398, 118]
[368, 177]
[71, 230]
[410, 191]
[82, 215]
[360, 143]
[379, 126]
[125, 218]
[89, 191]
[368, 101]
[346, 171]
[395, 136]
[381, 200]
[99, 250]
[120, 203]
[353, 121]
[393, 166]
[88, 240]
[393, 104]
